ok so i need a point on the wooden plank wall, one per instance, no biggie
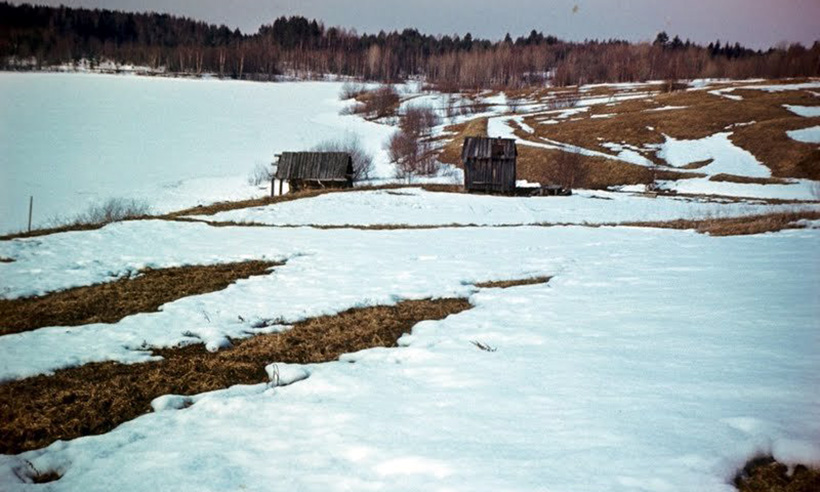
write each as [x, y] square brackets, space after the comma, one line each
[490, 175]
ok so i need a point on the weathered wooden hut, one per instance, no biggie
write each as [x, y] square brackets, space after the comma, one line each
[311, 170]
[489, 165]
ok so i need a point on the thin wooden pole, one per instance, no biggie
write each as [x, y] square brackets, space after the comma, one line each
[30, 208]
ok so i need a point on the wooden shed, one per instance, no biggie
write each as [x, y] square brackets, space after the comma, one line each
[311, 170]
[489, 165]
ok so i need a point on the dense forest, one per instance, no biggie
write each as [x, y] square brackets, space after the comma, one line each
[33, 37]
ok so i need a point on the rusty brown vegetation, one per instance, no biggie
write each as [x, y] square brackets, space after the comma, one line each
[504, 284]
[765, 474]
[732, 178]
[701, 114]
[377, 103]
[95, 398]
[738, 226]
[110, 302]
[545, 166]
[451, 152]
[786, 157]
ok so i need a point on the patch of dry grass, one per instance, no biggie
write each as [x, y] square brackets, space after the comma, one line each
[541, 165]
[95, 398]
[732, 178]
[702, 115]
[698, 164]
[786, 157]
[504, 284]
[112, 301]
[765, 474]
[737, 226]
[451, 153]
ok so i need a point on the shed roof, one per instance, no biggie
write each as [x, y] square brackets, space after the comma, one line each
[488, 148]
[320, 166]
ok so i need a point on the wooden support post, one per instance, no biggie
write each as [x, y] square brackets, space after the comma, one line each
[280, 187]
[30, 209]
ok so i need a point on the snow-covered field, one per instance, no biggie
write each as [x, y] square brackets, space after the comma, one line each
[73, 140]
[414, 206]
[653, 360]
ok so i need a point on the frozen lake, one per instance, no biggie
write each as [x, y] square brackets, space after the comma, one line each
[71, 140]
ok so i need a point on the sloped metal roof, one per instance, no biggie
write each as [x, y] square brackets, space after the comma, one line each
[488, 148]
[321, 166]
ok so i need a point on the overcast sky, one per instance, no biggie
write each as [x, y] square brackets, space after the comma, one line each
[754, 23]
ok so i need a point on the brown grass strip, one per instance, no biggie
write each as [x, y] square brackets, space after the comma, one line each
[95, 398]
[765, 474]
[733, 178]
[698, 164]
[110, 302]
[504, 284]
[55, 230]
[737, 226]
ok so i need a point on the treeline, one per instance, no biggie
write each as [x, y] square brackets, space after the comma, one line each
[37, 37]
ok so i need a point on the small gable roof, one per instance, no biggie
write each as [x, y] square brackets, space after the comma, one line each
[488, 148]
[320, 166]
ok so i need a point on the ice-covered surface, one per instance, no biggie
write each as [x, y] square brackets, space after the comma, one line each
[71, 140]
[807, 135]
[414, 206]
[653, 360]
[805, 111]
[726, 156]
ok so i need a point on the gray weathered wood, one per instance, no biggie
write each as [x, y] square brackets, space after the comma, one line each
[489, 164]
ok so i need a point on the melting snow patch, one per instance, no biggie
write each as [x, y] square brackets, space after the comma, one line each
[171, 402]
[795, 451]
[281, 374]
[807, 135]
[667, 108]
[806, 111]
[217, 343]
[738, 125]
[725, 93]
[799, 190]
[727, 157]
[629, 153]
[784, 87]
[808, 224]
